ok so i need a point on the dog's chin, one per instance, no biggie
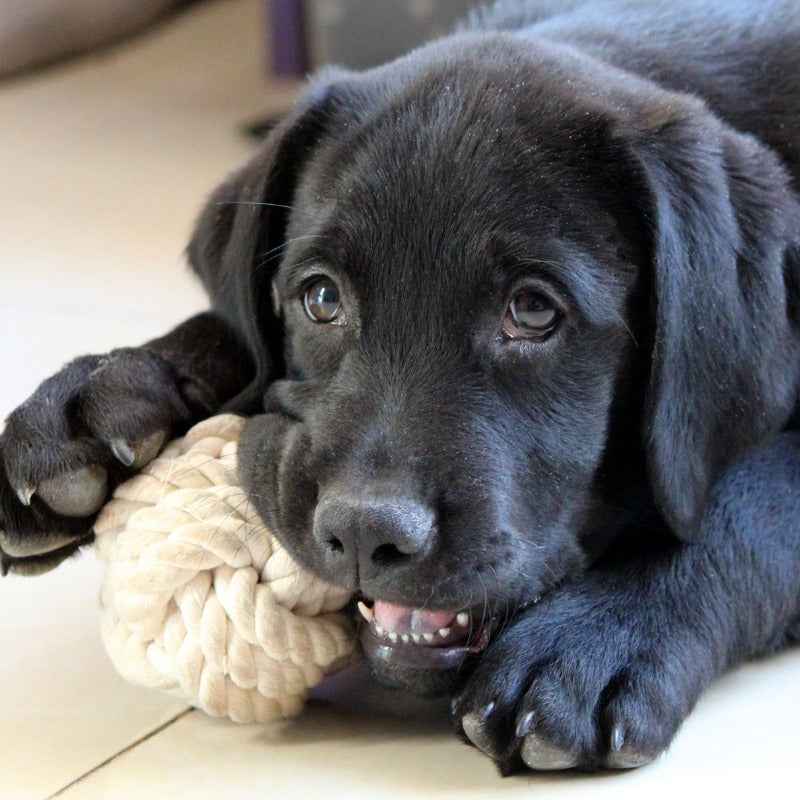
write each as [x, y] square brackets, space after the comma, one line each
[418, 650]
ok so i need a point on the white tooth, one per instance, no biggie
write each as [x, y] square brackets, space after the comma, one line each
[406, 638]
[416, 637]
[392, 636]
[365, 610]
[428, 637]
[463, 619]
[444, 632]
[380, 631]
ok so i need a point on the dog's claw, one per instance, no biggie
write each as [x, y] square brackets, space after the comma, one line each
[123, 452]
[524, 725]
[76, 494]
[617, 738]
[474, 726]
[540, 754]
[25, 493]
[618, 756]
[139, 453]
[621, 757]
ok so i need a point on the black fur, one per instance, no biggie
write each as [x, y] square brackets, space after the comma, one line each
[638, 165]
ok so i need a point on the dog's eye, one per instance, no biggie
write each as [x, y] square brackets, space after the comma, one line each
[530, 315]
[323, 302]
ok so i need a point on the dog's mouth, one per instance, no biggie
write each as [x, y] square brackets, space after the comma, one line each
[420, 639]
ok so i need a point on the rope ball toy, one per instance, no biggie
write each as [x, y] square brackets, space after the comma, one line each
[200, 600]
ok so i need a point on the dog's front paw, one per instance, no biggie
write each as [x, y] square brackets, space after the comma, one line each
[591, 677]
[64, 449]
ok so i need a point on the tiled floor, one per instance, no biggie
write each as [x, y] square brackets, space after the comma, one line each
[103, 165]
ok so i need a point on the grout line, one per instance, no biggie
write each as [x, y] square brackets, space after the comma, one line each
[122, 752]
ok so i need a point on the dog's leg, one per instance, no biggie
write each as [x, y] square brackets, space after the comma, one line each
[94, 423]
[604, 670]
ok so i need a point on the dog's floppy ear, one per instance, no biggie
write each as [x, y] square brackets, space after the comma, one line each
[723, 230]
[237, 242]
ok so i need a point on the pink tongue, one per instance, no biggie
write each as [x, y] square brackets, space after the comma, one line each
[400, 619]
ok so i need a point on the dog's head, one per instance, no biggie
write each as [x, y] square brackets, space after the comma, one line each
[502, 300]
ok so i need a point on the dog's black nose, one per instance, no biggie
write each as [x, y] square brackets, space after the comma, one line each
[367, 534]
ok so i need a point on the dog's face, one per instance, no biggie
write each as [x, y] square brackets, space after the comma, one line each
[454, 255]
[455, 320]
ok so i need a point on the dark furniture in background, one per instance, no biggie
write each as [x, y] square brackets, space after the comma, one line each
[355, 33]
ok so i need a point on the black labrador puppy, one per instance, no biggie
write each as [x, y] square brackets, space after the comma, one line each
[517, 319]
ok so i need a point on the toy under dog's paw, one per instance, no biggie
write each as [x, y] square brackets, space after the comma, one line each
[200, 600]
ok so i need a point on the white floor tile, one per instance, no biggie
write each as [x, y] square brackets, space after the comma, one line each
[63, 708]
[361, 743]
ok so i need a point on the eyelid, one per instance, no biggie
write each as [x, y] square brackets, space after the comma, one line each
[300, 280]
[297, 277]
[549, 290]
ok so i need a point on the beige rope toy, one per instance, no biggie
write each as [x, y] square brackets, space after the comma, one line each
[200, 600]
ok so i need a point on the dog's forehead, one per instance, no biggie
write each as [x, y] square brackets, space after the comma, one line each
[443, 171]
[436, 169]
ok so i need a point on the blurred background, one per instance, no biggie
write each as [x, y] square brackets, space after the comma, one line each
[303, 34]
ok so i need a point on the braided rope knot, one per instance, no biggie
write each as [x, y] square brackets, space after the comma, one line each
[200, 600]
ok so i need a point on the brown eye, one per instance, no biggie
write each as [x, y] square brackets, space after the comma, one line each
[323, 303]
[530, 315]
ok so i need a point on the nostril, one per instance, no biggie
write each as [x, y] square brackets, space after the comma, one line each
[335, 545]
[387, 554]
[371, 532]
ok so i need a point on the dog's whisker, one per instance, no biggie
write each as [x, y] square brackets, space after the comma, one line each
[264, 257]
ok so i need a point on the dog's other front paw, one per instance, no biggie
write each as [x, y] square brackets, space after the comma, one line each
[62, 451]
[594, 676]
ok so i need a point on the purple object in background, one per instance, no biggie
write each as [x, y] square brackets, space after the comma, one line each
[287, 31]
